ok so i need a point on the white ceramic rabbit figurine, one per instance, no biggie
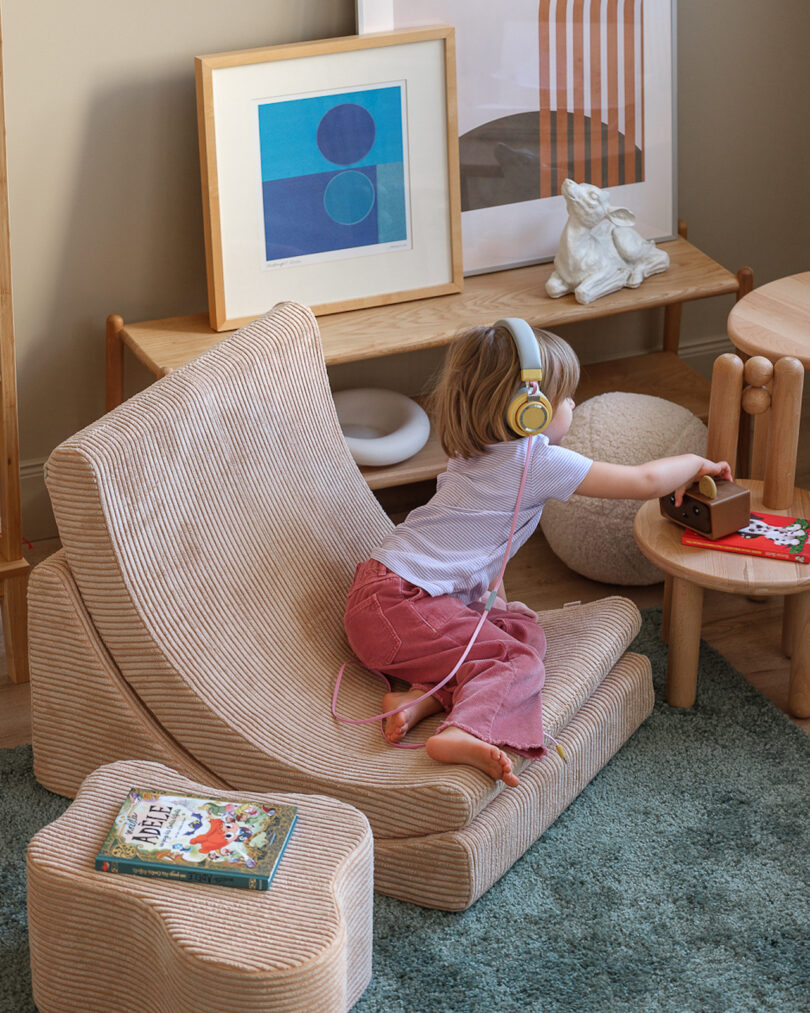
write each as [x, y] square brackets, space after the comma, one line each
[599, 251]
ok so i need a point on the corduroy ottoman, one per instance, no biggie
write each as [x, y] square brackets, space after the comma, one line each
[102, 942]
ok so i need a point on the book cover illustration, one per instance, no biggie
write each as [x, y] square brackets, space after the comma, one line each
[765, 535]
[203, 840]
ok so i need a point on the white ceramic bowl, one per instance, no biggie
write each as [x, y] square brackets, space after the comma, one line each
[381, 426]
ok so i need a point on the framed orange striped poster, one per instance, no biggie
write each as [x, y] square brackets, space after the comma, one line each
[550, 90]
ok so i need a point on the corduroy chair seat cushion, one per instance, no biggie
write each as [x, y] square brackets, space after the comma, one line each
[212, 524]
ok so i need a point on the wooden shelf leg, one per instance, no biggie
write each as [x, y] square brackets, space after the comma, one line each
[15, 627]
[745, 277]
[114, 363]
[799, 628]
[672, 326]
[684, 642]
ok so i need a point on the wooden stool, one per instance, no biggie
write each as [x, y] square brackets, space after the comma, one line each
[771, 321]
[101, 942]
[774, 320]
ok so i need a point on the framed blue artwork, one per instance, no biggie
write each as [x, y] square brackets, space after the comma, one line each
[330, 174]
[334, 173]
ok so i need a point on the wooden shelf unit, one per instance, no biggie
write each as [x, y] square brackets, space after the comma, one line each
[164, 345]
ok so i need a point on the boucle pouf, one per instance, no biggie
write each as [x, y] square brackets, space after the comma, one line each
[102, 942]
[594, 537]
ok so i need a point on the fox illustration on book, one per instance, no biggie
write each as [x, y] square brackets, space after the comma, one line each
[792, 535]
[226, 838]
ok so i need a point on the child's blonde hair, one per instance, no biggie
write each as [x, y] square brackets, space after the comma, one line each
[481, 375]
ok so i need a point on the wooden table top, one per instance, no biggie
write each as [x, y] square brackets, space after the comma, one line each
[660, 541]
[774, 320]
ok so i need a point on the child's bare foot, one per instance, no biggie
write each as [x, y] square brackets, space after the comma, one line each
[396, 727]
[454, 745]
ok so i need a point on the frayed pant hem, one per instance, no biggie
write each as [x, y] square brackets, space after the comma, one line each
[528, 752]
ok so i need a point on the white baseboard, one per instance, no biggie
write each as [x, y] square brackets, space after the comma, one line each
[37, 517]
[700, 355]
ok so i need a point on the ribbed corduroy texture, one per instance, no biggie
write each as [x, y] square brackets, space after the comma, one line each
[101, 942]
[211, 526]
[83, 713]
[452, 870]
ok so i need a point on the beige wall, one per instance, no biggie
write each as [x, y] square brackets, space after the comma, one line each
[104, 184]
[105, 195]
[744, 143]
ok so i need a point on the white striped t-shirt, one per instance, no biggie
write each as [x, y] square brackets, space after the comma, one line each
[454, 544]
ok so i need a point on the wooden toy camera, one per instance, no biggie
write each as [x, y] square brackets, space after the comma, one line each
[713, 509]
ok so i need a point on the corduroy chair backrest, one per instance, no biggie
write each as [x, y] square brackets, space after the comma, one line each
[213, 523]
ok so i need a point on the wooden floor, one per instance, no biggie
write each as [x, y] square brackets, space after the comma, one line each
[747, 633]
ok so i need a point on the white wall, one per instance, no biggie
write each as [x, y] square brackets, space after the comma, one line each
[105, 194]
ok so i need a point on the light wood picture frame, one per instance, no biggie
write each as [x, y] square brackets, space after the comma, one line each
[330, 173]
[549, 89]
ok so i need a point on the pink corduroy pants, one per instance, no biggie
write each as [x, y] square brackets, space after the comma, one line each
[398, 629]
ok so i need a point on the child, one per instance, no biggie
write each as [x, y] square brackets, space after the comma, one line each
[415, 603]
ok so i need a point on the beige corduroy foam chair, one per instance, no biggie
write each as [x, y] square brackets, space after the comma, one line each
[210, 528]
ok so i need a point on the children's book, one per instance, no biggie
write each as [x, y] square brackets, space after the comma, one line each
[765, 535]
[200, 840]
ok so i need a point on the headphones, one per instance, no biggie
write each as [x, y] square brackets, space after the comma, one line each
[529, 413]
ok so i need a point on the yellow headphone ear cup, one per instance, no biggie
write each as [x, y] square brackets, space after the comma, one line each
[528, 415]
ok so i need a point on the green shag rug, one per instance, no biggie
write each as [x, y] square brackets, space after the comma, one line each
[678, 881]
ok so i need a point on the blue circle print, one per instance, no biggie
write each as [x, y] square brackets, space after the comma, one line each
[348, 197]
[346, 133]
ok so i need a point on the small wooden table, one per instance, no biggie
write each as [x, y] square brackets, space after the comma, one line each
[689, 570]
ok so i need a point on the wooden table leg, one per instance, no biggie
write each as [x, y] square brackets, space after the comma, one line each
[667, 606]
[686, 609]
[114, 392]
[789, 624]
[799, 628]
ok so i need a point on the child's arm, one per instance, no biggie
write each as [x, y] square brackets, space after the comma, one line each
[650, 480]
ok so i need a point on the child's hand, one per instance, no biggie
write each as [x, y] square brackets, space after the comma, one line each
[717, 469]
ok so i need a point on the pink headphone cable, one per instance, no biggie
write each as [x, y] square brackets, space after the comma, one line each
[490, 602]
